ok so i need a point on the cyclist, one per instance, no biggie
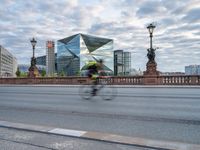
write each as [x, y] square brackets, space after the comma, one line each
[94, 68]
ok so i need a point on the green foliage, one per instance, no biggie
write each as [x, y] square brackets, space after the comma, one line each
[62, 73]
[18, 72]
[43, 73]
[23, 74]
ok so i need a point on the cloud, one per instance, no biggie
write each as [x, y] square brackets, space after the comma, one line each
[192, 16]
[150, 9]
[177, 31]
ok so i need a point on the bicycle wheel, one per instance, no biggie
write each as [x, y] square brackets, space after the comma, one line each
[85, 92]
[107, 92]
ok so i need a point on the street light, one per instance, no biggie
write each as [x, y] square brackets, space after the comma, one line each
[151, 50]
[151, 28]
[33, 42]
[151, 64]
[33, 71]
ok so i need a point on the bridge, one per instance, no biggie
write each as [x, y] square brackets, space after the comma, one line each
[118, 80]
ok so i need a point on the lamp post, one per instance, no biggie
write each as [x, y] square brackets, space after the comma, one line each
[151, 50]
[151, 64]
[33, 42]
[33, 71]
[151, 27]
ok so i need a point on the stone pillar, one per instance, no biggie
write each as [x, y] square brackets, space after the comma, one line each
[151, 75]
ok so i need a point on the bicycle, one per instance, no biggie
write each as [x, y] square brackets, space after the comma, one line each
[105, 90]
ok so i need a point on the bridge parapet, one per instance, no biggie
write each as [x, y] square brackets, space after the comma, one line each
[119, 80]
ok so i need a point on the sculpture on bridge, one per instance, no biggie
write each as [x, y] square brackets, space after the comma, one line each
[151, 54]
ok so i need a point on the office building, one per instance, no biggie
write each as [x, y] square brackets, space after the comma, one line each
[122, 62]
[8, 63]
[50, 57]
[192, 70]
[41, 61]
[74, 52]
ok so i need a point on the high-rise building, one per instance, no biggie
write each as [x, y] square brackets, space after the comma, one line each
[8, 63]
[122, 62]
[50, 59]
[41, 61]
[127, 63]
[192, 70]
[74, 52]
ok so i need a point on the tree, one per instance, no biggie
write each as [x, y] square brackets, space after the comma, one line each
[43, 73]
[18, 72]
[62, 73]
[23, 74]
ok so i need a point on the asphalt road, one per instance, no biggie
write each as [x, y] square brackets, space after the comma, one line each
[159, 113]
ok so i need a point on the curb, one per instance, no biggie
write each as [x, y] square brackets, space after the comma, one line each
[105, 137]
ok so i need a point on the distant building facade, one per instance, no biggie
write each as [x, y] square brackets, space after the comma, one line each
[122, 62]
[74, 52]
[8, 63]
[172, 73]
[192, 70]
[50, 57]
[41, 61]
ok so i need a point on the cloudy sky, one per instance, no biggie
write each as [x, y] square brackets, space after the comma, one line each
[177, 33]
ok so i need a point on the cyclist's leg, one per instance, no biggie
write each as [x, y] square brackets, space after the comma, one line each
[94, 85]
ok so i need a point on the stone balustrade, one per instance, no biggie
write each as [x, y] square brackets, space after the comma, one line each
[120, 80]
[180, 80]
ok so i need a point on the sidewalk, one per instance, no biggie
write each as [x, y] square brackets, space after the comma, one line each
[101, 137]
[20, 139]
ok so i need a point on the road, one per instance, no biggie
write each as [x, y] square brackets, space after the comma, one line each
[157, 113]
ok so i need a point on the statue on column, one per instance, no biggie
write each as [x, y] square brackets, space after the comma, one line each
[151, 54]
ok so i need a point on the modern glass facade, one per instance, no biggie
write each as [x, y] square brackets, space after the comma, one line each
[127, 63]
[122, 62]
[192, 70]
[41, 60]
[74, 52]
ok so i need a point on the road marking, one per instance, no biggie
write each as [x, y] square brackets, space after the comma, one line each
[67, 132]
[106, 137]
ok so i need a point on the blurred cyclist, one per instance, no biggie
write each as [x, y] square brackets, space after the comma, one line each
[94, 69]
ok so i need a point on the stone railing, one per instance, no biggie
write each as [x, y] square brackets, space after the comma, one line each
[46, 80]
[180, 80]
[120, 80]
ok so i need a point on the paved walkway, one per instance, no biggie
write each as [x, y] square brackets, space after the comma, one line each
[105, 137]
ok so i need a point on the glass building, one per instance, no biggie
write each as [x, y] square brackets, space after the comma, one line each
[74, 52]
[122, 62]
[41, 61]
[192, 70]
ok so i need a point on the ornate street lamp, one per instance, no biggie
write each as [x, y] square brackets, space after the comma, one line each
[151, 27]
[151, 50]
[33, 71]
[33, 42]
[151, 64]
